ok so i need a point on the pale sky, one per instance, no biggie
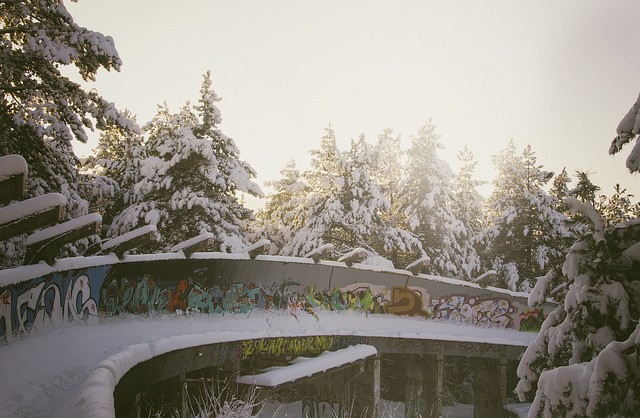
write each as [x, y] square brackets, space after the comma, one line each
[557, 75]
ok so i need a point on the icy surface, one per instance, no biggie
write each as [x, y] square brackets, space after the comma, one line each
[74, 369]
[308, 366]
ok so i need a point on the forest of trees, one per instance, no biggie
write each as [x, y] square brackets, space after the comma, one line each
[553, 234]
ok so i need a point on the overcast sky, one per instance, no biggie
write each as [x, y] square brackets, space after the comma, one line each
[557, 75]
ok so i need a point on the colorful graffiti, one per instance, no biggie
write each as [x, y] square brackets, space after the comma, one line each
[173, 287]
[144, 296]
[43, 305]
[531, 319]
[276, 347]
[475, 311]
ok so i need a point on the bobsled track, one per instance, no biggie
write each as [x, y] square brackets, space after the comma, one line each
[87, 336]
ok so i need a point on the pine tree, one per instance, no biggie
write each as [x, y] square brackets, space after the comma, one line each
[190, 174]
[467, 206]
[619, 207]
[628, 130]
[560, 190]
[584, 361]
[108, 177]
[585, 190]
[427, 205]
[42, 111]
[345, 205]
[284, 211]
[525, 236]
[323, 208]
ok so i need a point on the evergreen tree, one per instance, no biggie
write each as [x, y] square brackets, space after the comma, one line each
[525, 236]
[345, 205]
[42, 111]
[584, 361]
[560, 190]
[400, 246]
[467, 206]
[619, 207]
[585, 191]
[627, 131]
[108, 177]
[323, 208]
[427, 205]
[284, 211]
[388, 170]
[189, 178]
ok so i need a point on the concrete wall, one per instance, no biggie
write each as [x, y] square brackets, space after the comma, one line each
[215, 282]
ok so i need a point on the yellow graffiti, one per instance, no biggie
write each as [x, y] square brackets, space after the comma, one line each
[405, 301]
[284, 346]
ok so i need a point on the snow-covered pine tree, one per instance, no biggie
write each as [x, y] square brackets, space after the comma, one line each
[585, 191]
[525, 236]
[584, 361]
[323, 208]
[628, 130]
[560, 190]
[467, 205]
[189, 179]
[108, 177]
[284, 211]
[344, 204]
[427, 205]
[398, 245]
[618, 207]
[42, 111]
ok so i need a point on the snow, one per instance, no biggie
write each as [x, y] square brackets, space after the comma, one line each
[11, 165]
[23, 273]
[62, 228]
[591, 213]
[76, 263]
[304, 367]
[352, 254]
[319, 250]
[521, 410]
[30, 207]
[188, 243]
[378, 261]
[114, 242]
[73, 370]
[257, 245]
[421, 261]
[630, 123]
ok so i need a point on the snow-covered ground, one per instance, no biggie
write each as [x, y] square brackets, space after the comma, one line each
[72, 370]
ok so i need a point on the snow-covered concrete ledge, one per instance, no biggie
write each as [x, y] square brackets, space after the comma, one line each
[74, 370]
[20, 274]
[307, 366]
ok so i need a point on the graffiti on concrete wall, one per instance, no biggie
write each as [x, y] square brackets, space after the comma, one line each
[145, 295]
[531, 319]
[475, 311]
[172, 288]
[47, 302]
[312, 408]
[276, 347]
